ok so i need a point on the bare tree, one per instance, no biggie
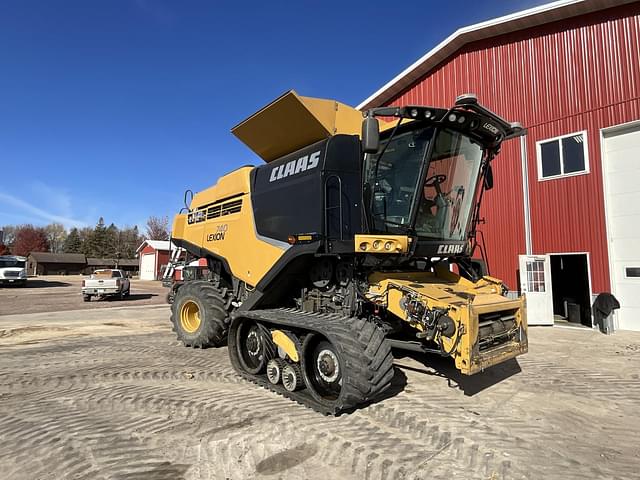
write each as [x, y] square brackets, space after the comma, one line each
[9, 234]
[158, 228]
[56, 234]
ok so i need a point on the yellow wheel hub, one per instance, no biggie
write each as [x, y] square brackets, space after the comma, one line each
[190, 316]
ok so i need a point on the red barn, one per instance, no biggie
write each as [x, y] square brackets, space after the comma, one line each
[564, 216]
[154, 256]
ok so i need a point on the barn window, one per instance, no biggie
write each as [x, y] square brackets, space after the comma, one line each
[563, 156]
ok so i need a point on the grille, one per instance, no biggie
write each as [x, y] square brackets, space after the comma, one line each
[496, 328]
[215, 211]
[224, 209]
[11, 274]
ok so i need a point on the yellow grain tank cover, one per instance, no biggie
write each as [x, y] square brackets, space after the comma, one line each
[292, 122]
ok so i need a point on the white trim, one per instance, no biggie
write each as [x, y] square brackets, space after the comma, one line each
[620, 128]
[525, 194]
[585, 149]
[522, 20]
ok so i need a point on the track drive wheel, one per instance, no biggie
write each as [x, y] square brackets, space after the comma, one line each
[198, 314]
[347, 368]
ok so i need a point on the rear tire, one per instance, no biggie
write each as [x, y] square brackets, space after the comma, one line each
[199, 317]
[86, 298]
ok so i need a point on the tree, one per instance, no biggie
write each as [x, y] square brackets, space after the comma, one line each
[158, 228]
[128, 241]
[73, 242]
[30, 239]
[112, 242]
[85, 238]
[9, 234]
[56, 234]
[4, 250]
[97, 241]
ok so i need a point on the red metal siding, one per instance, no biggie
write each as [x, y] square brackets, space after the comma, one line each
[147, 249]
[161, 261]
[578, 74]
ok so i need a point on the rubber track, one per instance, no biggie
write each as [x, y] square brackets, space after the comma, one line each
[365, 351]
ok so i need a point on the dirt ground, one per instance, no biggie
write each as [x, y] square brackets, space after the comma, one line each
[108, 393]
[54, 293]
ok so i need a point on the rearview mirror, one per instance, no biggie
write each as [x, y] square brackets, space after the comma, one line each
[370, 135]
[488, 178]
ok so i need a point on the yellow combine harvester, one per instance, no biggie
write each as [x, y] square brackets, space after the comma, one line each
[339, 248]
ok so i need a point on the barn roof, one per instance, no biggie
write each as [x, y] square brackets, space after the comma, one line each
[164, 245]
[103, 262]
[533, 17]
[48, 257]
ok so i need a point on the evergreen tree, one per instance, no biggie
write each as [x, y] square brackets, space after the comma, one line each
[85, 237]
[112, 242]
[98, 240]
[73, 242]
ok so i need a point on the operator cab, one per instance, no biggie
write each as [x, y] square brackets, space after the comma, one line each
[422, 178]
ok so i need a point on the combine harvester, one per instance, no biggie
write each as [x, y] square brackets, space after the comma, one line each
[339, 248]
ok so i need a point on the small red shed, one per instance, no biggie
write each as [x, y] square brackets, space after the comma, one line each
[154, 256]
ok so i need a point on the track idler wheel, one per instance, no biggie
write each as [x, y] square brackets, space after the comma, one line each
[250, 343]
[292, 377]
[274, 370]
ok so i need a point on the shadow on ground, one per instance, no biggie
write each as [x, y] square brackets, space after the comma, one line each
[132, 297]
[37, 283]
[444, 368]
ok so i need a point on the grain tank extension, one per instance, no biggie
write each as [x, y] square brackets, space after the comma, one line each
[339, 248]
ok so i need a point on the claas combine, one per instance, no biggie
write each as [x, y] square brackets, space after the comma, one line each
[352, 240]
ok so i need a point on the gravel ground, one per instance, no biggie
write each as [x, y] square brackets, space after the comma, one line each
[54, 293]
[108, 393]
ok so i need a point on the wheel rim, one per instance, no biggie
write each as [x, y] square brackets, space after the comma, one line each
[190, 316]
[273, 371]
[328, 366]
[251, 348]
[290, 378]
[323, 370]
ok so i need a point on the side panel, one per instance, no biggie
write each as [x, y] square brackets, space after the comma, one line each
[287, 194]
[233, 237]
[290, 195]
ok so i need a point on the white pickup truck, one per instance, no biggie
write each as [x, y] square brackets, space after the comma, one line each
[13, 270]
[104, 283]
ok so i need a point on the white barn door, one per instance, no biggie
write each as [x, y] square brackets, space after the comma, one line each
[621, 162]
[148, 266]
[535, 282]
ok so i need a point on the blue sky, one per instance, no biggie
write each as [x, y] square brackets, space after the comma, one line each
[113, 108]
